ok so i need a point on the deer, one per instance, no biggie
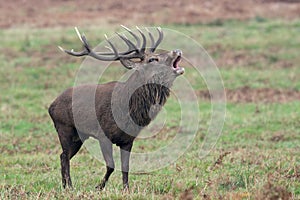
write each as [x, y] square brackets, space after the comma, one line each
[122, 109]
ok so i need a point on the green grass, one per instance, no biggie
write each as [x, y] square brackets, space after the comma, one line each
[263, 139]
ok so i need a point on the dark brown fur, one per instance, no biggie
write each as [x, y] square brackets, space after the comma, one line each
[74, 122]
[115, 112]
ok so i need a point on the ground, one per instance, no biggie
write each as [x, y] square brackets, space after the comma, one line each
[255, 45]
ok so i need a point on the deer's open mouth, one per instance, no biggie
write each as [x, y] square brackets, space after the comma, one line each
[178, 70]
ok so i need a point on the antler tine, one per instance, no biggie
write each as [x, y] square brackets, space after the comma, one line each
[131, 47]
[112, 46]
[85, 44]
[83, 40]
[160, 38]
[78, 33]
[60, 48]
[151, 38]
[138, 41]
[143, 48]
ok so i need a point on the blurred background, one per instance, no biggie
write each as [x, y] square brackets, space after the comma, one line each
[47, 13]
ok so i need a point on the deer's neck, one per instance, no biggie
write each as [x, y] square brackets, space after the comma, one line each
[146, 101]
[138, 99]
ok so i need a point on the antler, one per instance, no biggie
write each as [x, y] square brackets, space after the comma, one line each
[133, 51]
[154, 45]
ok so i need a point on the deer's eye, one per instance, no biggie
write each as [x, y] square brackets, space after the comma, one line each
[153, 59]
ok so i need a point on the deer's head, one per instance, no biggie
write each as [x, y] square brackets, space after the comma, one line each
[152, 67]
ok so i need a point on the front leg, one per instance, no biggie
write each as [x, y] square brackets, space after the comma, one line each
[125, 155]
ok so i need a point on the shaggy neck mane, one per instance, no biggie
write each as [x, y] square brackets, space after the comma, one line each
[146, 102]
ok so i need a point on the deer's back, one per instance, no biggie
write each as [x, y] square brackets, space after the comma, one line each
[80, 106]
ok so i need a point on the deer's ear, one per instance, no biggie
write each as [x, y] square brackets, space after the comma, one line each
[129, 64]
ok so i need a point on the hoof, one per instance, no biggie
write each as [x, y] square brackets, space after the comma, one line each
[126, 188]
[100, 186]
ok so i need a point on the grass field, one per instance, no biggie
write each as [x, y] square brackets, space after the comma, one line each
[256, 157]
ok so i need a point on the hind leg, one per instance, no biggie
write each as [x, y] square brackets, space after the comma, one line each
[71, 144]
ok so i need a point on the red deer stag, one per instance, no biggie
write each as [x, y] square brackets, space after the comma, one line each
[122, 108]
